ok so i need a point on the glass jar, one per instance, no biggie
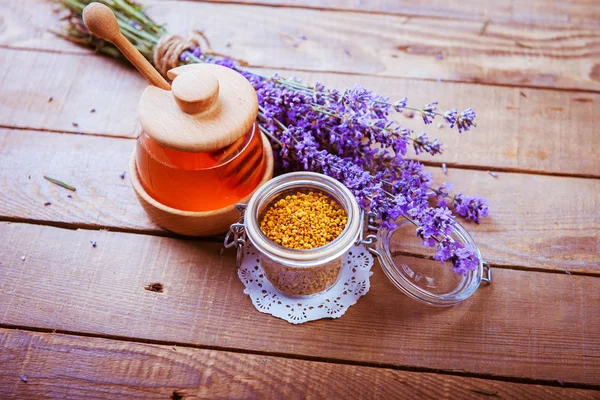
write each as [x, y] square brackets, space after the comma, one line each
[201, 181]
[409, 266]
[301, 272]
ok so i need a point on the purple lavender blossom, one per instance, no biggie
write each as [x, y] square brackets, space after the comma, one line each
[465, 120]
[463, 258]
[472, 208]
[400, 104]
[136, 25]
[428, 112]
[434, 222]
[450, 117]
[442, 193]
[422, 144]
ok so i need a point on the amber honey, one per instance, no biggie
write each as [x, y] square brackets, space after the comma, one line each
[201, 181]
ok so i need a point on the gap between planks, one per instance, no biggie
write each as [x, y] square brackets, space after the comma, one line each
[64, 132]
[337, 72]
[460, 373]
[427, 163]
[218, 239]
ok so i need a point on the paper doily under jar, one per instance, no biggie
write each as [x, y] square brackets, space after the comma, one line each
[353, 283]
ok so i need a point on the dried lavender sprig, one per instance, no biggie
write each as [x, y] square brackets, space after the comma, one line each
[60, 183]
[398, 106]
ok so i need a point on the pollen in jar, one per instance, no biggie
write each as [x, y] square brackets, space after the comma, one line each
[303, 220]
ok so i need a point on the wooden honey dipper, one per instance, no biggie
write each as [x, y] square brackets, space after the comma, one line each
[102, 22]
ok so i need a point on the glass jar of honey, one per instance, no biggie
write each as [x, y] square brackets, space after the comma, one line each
[201, 181]
[199, 150]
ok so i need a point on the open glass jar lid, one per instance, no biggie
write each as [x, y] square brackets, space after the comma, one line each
[410, 266]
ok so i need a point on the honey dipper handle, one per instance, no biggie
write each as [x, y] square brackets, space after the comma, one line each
[102, 22]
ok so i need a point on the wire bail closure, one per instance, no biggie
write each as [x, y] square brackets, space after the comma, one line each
[369, 219]
[236, 236]
[487, 273]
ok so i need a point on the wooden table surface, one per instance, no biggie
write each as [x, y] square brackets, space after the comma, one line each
[76, 322]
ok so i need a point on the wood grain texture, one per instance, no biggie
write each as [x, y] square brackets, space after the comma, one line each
[518, 129]
[525, 325]
[534, 11]
[412, 47]
[93, 165]
[65, 100]
[66, 366]
[537, 236]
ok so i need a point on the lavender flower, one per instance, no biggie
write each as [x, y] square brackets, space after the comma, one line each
[450, 117]
[422, 145]
[400, 105]
[428, 112]
[349, 136]
[135, 25]
[472, 208]
[463, 258]
[442, 192]
[432, 223]
[465, 120]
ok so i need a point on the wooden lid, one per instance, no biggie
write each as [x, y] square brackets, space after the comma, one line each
[208, 107]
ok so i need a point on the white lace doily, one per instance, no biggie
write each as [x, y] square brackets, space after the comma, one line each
[352, 284]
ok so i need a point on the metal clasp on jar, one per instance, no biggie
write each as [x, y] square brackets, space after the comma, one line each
[487, 273]
[236, 236]
[372, 227]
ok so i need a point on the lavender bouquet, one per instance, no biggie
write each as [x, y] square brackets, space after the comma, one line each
[347, 135]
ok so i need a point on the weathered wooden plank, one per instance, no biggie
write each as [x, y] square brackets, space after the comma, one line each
[526, 325]
[385, 45]
[47, 91]
[93, 165]
[522, 230]
[65, 366]
[518, 129]
[536, 11]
